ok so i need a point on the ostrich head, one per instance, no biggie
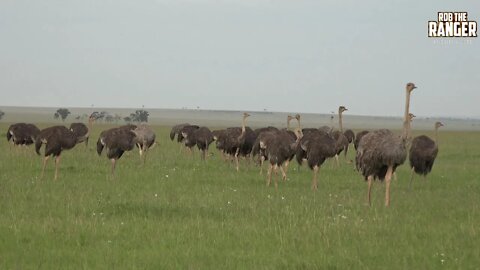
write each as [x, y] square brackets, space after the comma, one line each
[411, 116]
[245, 115]
[438, 124]
[297, 116]
[410, 86]
[298, 132]
[341, 109]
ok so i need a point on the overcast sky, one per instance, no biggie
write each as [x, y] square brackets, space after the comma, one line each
[298, 56]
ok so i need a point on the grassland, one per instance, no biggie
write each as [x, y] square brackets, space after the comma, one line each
[177, 212]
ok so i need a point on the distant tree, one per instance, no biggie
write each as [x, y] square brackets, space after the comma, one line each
[127, 119]
[1, 114]
[140, 116]
[117, 118]
[109, 118]
[78, 117]
[62, 112]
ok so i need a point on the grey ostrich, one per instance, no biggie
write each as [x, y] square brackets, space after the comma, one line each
[116, 141]
[145, 139]
[22, 133]
[423, 152]
[201, 137]
[380, 152]
[81, 131]
[56, 139]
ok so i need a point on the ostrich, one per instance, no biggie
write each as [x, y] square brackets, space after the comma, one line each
[263, 134]
[423, 152]
[202, 137]
[145, 139]
[22, 133]
[188, 131]
[316, 147]
[81, 131]
[341, 141]
[116, 141]
[358, 137]
[176, 131]
[279, 147]
[380, 152]
[236, 139]
[219, 138]
[350, 135]
[56, 139]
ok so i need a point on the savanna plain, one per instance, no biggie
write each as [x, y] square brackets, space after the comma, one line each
[179, 212]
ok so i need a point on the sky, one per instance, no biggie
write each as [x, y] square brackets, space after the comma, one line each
[301, 56]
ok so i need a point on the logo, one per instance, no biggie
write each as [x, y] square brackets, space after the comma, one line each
[452, 24]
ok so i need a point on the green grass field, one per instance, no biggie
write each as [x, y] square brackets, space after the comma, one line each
[178, 212]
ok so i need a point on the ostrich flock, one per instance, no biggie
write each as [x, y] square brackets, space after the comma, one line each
[378, 152]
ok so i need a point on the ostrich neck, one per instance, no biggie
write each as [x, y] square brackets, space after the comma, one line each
[243, 125]
[436, 135]
[340, 121]
[406, 122]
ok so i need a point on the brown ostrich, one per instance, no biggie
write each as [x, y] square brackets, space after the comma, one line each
[279, 147]
[236, 139]
[185, 132]
[176, 131]
[22, 133]
[201, 137]
[315, 146]
[350, 135]
[268, 134]
[380, 152]
[341, 141]
[81, 131]
[56, 139]
[423, 152]
[116, 141]
[358, 137]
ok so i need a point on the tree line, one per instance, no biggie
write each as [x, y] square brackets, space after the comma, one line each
[137, 116]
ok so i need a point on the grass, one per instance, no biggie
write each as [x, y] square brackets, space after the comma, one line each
[178, 212]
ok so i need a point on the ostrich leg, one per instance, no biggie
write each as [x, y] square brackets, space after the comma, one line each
[262, 159]
[337, 161]
[236, 159]
[411, 178]
[113, 167]
[269, 175]
[286, 166]
[57, 164]
[45, 159]
[388, 178]
[284, 175]
[275, 169]
[314, 180]
[370, 183]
